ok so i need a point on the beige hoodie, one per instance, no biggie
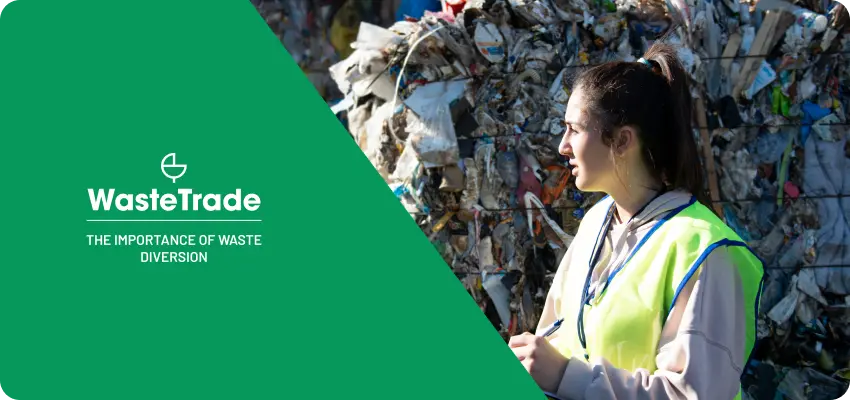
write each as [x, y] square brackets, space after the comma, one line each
[700, 353]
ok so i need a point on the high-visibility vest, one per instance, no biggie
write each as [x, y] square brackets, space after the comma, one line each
[622, 323]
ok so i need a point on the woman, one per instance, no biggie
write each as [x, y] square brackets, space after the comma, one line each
[658, 297]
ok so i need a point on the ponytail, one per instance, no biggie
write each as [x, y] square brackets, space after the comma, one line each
[685, 170]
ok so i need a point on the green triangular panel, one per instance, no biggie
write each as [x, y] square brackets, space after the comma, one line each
[344, 298]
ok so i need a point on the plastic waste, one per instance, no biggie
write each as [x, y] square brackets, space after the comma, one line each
[489, 42]
[765, 76]
[805, 384]
[430, 125]
[506, 163]
[407, 165]
[784, 310]
[499, 295]
[473, 185]
[534, 11]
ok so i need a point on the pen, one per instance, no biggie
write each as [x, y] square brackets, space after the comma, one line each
[552, 328]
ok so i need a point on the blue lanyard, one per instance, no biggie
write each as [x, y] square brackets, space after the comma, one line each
[585, 298]
[597, 250]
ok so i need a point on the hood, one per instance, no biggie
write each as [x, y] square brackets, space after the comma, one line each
[658, 208]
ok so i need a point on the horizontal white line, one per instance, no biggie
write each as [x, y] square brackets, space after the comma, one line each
[174, 220]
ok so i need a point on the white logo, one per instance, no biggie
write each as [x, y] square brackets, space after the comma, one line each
[173, 164]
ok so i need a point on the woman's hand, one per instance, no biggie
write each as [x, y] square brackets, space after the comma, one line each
[545, 363]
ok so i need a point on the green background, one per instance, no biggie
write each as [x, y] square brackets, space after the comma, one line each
[346, 297]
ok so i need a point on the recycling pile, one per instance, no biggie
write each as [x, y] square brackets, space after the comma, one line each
[317, 34]
[461, 113]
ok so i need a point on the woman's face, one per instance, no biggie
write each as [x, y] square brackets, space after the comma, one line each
[582, 143]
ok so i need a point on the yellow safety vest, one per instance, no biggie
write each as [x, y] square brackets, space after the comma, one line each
[623, 322]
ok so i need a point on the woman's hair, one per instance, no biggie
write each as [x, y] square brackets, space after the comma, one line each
[655, 99]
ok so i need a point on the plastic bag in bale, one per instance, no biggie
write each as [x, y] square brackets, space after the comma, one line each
[432, 136]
